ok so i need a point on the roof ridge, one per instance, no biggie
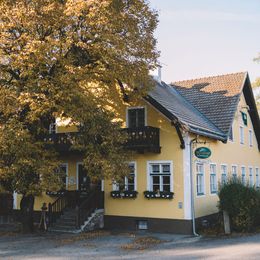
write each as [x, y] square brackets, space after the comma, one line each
[209, 77]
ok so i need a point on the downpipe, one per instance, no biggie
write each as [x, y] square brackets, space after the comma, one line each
[192, 189]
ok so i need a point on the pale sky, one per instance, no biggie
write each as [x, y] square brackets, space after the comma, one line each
[200, 38]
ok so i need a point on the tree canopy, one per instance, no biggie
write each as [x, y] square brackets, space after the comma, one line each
[75, 59]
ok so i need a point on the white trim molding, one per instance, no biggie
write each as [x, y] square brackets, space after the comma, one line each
[186, 179]
[149, 163]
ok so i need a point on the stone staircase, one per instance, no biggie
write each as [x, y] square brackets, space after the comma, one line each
[67, 222]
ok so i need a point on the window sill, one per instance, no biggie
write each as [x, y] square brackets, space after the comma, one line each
[123, 194]
[158, 195]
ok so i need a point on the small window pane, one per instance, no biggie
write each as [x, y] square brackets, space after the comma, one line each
[156, 179]
[155, 168]
[166, 179]
[166, 168]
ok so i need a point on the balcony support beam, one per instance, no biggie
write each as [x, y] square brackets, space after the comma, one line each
[178, 130]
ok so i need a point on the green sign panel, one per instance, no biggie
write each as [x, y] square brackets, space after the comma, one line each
[202, 153]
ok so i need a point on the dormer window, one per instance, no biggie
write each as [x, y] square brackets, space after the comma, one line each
[136, 117]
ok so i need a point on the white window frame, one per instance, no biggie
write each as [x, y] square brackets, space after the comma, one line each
[250, 137]
[138, 107]
[223, 180]
[116, 185]
[243, 181]
[149, 182]
[135, 177]
[236, 167]
[257, 177]
[250, 176]
[203, 180]
[241, 135]
[213, 192]
[67, 173]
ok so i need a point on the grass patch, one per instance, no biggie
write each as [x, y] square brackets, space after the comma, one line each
[142, 243]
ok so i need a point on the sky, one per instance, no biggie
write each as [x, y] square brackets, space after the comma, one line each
[199, 38]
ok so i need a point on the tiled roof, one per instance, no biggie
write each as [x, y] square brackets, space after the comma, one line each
[174, 104]
[215, 97]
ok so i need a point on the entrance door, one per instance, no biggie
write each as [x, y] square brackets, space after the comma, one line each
[83, 179]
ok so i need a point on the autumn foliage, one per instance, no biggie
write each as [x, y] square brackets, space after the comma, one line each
[76, 59]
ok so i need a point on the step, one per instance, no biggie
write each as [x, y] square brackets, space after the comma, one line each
[65, 227]
[66, 221]
[68, 217]
[73, 231]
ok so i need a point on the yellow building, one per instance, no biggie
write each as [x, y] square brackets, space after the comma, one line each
[169, 186]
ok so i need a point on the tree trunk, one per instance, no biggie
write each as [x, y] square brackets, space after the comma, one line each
[26, 206]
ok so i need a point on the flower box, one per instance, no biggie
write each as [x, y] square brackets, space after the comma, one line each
[124, 194]
[158, 195]
[56, 193]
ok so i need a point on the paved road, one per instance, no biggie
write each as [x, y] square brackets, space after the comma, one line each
[104, 245]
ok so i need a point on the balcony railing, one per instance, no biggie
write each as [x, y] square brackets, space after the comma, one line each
[145, 139]
[62, 142]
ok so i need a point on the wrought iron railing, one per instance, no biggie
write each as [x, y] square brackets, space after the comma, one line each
[94, 201]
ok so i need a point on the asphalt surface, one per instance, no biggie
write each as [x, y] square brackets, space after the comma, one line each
[111, 246]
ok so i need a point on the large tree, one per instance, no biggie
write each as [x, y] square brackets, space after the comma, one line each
[77, 59]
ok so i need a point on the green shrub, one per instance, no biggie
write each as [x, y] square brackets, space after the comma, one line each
[242, 204]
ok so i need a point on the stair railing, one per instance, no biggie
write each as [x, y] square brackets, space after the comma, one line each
[94, 201]
[55, 209]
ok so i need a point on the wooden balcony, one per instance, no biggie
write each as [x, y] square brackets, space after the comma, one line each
[62, 142]
[141, 140]
[145, 139]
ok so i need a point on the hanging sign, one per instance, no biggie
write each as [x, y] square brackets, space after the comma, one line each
[202, 152]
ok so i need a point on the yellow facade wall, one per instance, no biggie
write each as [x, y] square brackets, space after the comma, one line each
[143, 207]
[231, 153]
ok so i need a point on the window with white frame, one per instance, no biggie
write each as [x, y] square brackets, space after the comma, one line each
[241, 135]
[63, 171]
[257, 180]
[243, 174]
[130, 180]
[200, 179]
[223, 174]
[234, 171]
[160, 176]
[250, 137]
[135, 117]
[251, 177]
[213, 178]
